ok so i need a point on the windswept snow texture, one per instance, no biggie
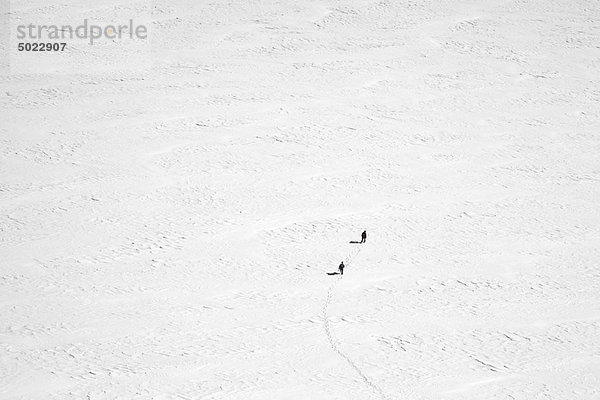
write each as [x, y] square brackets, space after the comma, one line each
[166, 233]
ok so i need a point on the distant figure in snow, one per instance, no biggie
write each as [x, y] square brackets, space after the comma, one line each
[341, 268]
[363, 237]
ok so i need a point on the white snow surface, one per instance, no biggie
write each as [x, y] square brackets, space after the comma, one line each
[166, 232]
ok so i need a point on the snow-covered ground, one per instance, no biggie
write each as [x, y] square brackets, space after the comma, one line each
[166, 230]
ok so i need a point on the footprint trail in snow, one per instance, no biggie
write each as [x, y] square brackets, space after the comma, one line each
[333, 341]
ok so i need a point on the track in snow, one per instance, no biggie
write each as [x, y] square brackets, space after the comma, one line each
[333, 341]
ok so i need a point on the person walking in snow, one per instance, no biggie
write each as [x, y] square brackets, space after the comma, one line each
[341, 268]
[363, 237]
